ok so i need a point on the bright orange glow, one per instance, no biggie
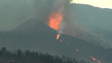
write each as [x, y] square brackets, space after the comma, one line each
[98, 61]
[93, 58]
[55, 20]
[58, 37]
[61, 41]
[56, 17]
[77, 50]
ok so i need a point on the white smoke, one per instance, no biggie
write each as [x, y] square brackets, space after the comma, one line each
[61, 9]
[61, 27]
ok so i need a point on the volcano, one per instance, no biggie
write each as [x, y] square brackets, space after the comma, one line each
[35, 35]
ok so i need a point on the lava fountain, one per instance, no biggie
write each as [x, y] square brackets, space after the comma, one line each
[56, 18]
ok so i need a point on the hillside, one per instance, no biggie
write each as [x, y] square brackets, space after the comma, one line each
[40, 37]
[95, 20]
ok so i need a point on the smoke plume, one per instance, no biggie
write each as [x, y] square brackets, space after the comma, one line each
[63, 24]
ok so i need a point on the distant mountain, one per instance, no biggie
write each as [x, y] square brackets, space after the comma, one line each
[93, 16]
[95, 20]
[36, 35]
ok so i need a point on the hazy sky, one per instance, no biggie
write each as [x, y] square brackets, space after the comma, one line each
[98, 3]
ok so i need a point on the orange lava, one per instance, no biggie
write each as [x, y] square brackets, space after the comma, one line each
[77, 50]
[98, 61]
[93, 58]
[56, 17]
[58, 37]
[55, 20]
[61, 41]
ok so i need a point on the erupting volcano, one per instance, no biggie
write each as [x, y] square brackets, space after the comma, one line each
[56, 18]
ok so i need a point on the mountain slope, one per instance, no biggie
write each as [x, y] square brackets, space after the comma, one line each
[95, 20]
[40, 37]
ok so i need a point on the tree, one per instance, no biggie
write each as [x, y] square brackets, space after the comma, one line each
[4, 49]
[63, 57]
[27, 52]
[19, 53]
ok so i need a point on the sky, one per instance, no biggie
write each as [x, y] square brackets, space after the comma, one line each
[96, 3]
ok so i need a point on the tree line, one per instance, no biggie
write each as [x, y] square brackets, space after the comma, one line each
[32, 57]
